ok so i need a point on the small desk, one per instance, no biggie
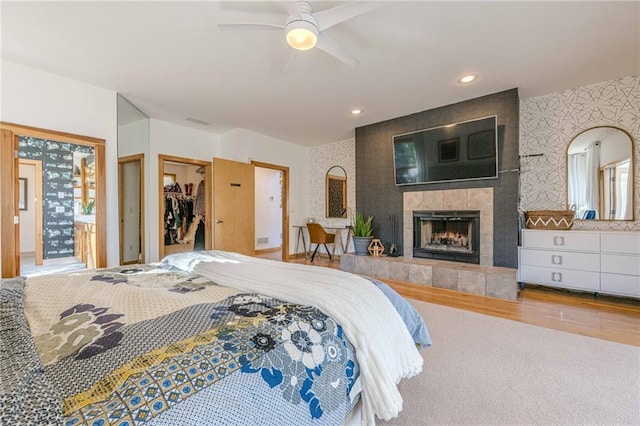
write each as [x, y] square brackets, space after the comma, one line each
[301, 229]
[344, 243]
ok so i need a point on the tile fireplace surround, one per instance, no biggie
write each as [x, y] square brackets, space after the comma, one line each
[484, 279]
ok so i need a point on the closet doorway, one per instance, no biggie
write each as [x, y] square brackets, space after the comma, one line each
[184, 205]
[272, 210]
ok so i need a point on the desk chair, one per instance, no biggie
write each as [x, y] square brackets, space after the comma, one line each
[317, 236]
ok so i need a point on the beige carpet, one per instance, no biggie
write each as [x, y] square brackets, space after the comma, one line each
[487, 370]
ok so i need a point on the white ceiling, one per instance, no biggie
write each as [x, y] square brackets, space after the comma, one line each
[172, 62]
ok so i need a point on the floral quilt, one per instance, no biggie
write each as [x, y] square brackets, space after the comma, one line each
[138, 344]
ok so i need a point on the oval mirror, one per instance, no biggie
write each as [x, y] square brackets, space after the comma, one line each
[600, 174]
[336, 192]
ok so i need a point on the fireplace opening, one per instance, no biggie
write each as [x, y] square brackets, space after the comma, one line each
[447, 235]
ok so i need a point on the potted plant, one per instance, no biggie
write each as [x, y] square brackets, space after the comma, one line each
[87, 209]
[362, 230]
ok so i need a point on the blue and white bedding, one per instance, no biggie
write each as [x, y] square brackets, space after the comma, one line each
[154, 344]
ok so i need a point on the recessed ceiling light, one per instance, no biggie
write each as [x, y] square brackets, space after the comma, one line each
[466, 79]
[356, 111]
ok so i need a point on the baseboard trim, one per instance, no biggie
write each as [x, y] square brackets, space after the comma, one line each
[269, 250]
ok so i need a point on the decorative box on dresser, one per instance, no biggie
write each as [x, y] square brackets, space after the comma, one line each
[595, 261]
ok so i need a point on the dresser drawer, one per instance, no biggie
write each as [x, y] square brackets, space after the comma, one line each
[621, 243]
[624, 285]
[620, 264]
[561, 240]
[566, 278]
[561, 259]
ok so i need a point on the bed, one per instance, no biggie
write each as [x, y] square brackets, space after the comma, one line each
[204, 338]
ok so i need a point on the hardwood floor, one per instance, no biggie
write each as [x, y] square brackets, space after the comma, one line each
[610, 318]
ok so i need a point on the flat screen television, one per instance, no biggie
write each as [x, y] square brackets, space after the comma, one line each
[461, 151]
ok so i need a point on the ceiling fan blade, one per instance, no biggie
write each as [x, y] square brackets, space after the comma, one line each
[250, 27]
[289, 56]
[335, 15]
[291, 7]
[325, 43]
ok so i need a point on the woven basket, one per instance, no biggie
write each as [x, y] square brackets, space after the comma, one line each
[549, 219]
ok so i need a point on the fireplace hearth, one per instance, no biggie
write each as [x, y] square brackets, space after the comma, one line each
[447, 235]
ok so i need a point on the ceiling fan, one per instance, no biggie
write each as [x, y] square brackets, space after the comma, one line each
[304, 28]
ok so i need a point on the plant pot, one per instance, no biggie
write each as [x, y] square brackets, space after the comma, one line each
[361, 245]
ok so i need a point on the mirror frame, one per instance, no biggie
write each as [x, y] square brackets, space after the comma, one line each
[326, 191]
[632, 170]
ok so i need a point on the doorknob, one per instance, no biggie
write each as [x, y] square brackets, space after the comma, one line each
[219, 221]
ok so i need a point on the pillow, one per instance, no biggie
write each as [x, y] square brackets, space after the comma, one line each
[411, 317]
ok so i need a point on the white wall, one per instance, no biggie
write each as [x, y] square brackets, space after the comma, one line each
[268, 208]
[133, 138]
[35, 98]
[40, 99]
[246, 146]
[28, 217]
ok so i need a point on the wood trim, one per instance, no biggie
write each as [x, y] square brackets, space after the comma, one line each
[9, 184]
[9, 205]
[53, 135]
[208, 194]
[38, 243]
[285, 203]
[101, 206]
[84, 189]
[139, 158]
[269, 250]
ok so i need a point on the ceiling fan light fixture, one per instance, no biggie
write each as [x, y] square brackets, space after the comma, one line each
[302, 35]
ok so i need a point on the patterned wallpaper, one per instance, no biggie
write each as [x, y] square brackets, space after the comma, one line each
[321, 159]
[57, 191]
[548, 124]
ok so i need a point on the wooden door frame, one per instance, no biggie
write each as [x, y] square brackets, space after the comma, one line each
[285, 203]
[38, 195]
[208, 200]
[9, 231]
[136, 158]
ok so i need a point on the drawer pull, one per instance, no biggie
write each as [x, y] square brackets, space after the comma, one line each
[556, 259]
[558, 241]
[556, 277]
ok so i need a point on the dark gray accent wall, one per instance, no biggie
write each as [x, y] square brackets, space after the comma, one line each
[376, 192]
[57, 191]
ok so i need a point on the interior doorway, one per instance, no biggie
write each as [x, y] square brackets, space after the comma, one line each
[131, 209]
[58, 234]
[184, 205]
[30, 206]
[272, 189]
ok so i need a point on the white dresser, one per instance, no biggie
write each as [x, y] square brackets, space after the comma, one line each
[595, 261]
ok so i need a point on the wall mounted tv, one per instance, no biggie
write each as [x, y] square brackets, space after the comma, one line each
[461, 151]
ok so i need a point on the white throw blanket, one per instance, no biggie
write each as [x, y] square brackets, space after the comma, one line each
[385, 350]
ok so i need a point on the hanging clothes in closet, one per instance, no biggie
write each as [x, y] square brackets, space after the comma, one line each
[199, 211]
[178, 214]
